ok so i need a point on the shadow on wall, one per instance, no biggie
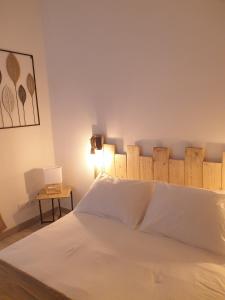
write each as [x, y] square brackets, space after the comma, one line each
[176, 148]
[213, 151]
[34, 181]
[119, 144]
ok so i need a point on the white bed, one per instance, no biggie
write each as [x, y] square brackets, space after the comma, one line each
[88, 257]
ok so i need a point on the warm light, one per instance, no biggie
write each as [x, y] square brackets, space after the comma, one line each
[53, 180]
[90, 160]
[89, 157]
[52, 175]
[95, 161]
[107, 160]
[98, 160]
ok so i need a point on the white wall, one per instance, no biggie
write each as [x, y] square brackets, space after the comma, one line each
[24, 150]
[145, 71]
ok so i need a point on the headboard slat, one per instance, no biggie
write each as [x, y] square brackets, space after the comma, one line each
[212, 175]
[194, 166]
[161, 163]
[109, 160]
[176, 171]
[133, 153]
[146, 168]
[121, 165]
[223, 172]
[192, 171]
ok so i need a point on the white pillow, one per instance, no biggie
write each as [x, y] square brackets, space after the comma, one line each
[193, 216]
[124, 200]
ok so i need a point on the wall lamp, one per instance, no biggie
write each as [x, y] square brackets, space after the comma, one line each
[96, 143]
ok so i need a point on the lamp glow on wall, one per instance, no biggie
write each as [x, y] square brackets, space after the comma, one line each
[53, 180]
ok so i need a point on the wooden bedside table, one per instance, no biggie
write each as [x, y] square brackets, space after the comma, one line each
[42, 196]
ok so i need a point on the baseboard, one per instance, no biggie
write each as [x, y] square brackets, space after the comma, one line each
[30, 222]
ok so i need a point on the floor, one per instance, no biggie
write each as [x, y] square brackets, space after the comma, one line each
[22, 234]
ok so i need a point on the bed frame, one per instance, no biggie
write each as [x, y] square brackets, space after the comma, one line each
[192, 171]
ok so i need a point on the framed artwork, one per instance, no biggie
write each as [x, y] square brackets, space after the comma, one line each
[18, 92]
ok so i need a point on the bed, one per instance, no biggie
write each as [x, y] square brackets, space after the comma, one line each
[80, 258]
[103, 251]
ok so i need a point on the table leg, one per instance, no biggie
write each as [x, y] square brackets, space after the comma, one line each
[40, 212]
[60, 212]
[53, 212]
[71, 197]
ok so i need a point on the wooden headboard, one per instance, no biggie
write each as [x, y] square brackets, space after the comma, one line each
[192, 171]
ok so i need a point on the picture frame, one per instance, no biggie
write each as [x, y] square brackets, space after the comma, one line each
[18, 91]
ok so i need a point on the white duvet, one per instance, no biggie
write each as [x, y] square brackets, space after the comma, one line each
[92, 258]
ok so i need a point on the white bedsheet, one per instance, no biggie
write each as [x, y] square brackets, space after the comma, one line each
[92, 258]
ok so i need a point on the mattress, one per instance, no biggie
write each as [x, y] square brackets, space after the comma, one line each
[86, 257]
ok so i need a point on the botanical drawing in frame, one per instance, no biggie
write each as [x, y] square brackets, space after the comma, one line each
[18, 92]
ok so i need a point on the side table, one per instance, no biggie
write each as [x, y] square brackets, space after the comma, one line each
[43, 196]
